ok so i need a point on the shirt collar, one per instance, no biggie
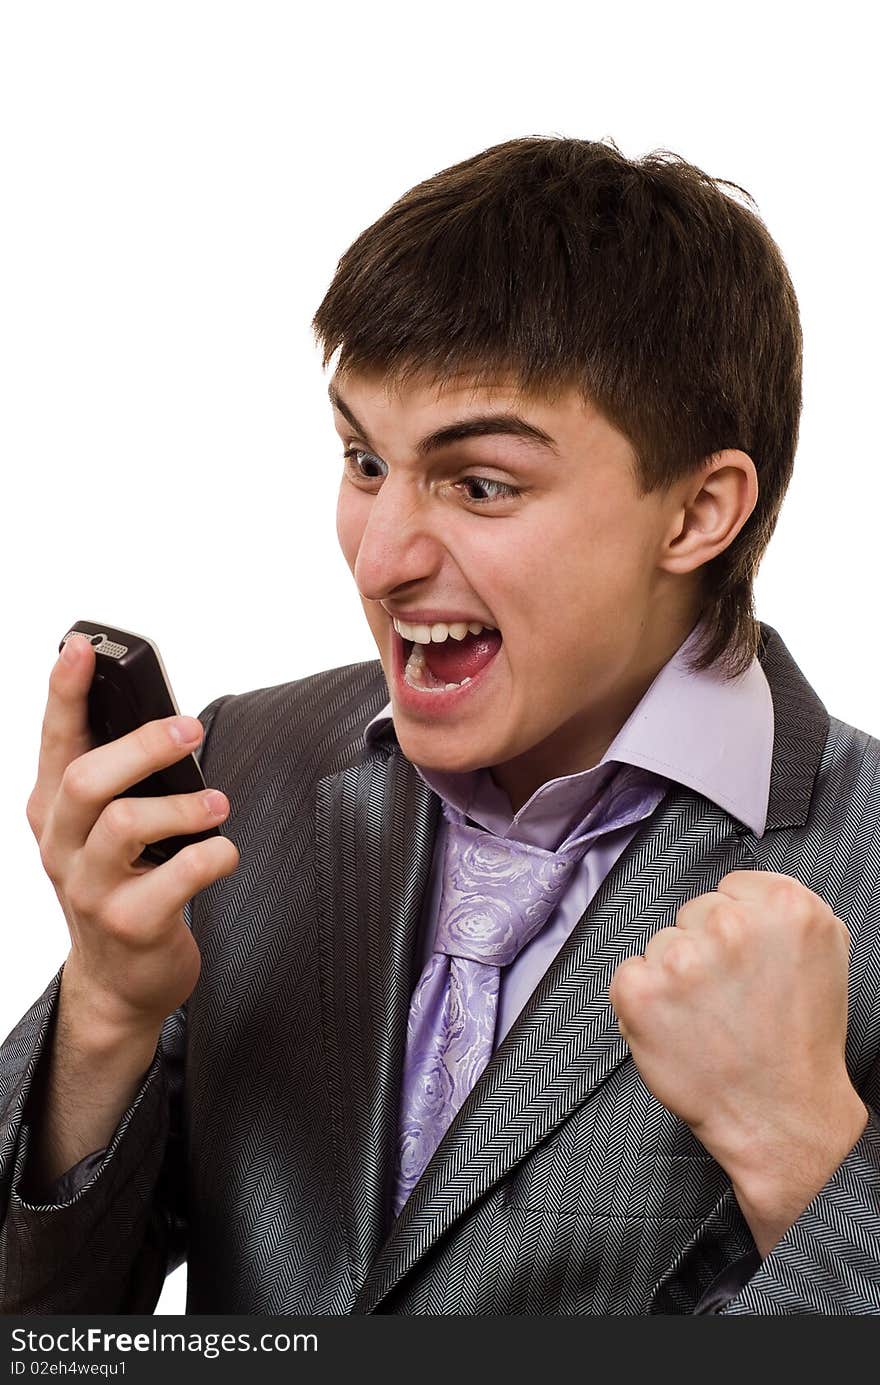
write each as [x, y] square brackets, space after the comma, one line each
[706, 732]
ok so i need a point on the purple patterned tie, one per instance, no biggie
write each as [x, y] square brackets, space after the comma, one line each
[497, 895]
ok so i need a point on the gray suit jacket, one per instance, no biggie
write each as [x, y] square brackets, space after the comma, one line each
[260, 1143]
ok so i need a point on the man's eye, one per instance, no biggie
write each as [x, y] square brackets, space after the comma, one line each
[500, 488]
[497, 490]
[351, 454]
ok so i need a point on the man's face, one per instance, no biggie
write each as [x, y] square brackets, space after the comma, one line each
[566, 569]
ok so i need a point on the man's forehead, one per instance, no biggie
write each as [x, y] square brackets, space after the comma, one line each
[463, 386]
[457, 408]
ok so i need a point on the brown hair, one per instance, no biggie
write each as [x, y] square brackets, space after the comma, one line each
[664, 300]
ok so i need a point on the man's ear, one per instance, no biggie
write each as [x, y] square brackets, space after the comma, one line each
[710, 510]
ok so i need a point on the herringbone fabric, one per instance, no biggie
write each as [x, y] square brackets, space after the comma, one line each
[261, 1142]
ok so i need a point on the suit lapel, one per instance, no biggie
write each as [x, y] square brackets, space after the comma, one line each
[375, 829]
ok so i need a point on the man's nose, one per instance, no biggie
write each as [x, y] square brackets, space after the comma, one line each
[399, 543]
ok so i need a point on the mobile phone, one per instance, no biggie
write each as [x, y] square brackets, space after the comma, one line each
[130, 686]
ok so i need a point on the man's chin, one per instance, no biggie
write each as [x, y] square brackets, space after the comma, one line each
[438, 748]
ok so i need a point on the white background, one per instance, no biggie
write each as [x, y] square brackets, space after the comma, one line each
[178, 182]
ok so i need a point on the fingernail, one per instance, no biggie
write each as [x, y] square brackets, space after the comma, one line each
[69, 653]
[215, 803]
[184, 730]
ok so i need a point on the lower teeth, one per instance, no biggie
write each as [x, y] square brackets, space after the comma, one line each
[414, 673]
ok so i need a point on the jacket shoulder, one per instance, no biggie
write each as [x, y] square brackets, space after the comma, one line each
[859, 752]
[319, 719]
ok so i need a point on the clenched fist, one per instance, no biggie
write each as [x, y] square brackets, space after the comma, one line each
[736, 1019]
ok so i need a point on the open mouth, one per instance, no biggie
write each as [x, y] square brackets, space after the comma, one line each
[448, 664]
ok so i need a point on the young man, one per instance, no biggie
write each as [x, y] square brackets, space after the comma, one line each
[539, 962]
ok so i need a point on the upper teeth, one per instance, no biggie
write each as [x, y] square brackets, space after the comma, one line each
[436, 634]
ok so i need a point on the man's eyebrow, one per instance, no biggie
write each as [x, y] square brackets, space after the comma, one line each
[481, 425]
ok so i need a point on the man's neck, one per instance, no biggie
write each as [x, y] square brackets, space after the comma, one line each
[580, 743]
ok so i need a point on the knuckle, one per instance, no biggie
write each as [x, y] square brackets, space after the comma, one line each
[119, 819]
[76, 781]
[794, 899]
[660, 941]
[615, 992]
[680, 960]
[809, 914]
[715, 907]
[623, 982]
[125, 917]
[49, 860]
[724, 920]
[80, 895]
[34, 813]
[796, 902]
[49, 734]
[739, 876]
[684, 911]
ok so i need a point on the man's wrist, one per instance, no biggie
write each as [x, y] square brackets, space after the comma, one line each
[98, 1027]
[778, 1181]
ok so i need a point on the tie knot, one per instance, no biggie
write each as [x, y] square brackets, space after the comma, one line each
[497, 894]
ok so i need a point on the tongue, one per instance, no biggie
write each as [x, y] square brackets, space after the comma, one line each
[454, 660]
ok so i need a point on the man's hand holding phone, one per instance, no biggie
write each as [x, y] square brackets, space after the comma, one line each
[132, 959]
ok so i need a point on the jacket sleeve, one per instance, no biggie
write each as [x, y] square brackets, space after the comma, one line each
[827, 1262]
[104, 1246]
[74, 1179]
[117, 1222]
